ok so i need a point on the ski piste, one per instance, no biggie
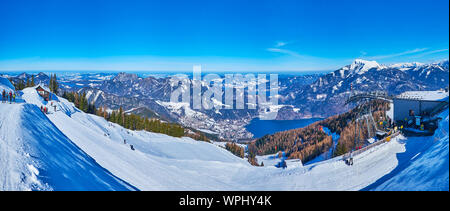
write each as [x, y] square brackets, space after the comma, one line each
[67, 149]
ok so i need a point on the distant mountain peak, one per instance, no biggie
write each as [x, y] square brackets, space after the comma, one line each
[122, 76]
[406, 65]
[359, 66]
[363, 61]
[444, 64]
[23, 75]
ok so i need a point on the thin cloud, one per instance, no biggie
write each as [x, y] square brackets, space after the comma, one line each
[280, 44]
[417, 50]
[284, 51]
[430, 52]
[277, 49]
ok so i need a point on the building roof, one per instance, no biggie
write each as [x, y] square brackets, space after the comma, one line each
[439, 95]
[43, 87]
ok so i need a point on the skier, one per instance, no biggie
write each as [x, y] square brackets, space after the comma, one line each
[3, 96]
[14, 97]
[132, 148]
[10, 97]
[124, 141]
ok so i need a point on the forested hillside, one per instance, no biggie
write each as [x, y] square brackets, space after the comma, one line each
[308, 142]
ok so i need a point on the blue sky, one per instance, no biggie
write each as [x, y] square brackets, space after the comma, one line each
[220, 35]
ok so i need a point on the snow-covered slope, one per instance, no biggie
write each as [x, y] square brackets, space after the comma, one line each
[30, 96]
[426, 170]
[35, 155]
[6, 85]
[42, 151]
[159, 162]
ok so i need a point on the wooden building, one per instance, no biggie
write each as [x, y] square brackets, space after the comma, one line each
[44, 93]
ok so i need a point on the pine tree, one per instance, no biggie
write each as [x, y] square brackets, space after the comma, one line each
[99, 112]
[126, 122]
[55, 84]
[19, 85]
[32, 80]
[85, 102]
[120, 119]
[76, 100]
[51, 83]
[91, 108]
[82, 104]
[105, 114]
[112, 117]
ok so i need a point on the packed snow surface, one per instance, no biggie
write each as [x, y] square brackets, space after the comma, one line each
[439, 95]
[426, 169]
[6, 85]
[35, 155]
[69, 149]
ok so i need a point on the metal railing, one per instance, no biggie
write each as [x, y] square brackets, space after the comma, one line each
[359, 151]
[357, 96]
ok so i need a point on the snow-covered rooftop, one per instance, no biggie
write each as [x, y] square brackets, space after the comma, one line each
[42, 86]
[439, 95]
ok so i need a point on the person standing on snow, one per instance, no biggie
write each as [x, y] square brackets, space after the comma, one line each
[10, 97]
[3, 96]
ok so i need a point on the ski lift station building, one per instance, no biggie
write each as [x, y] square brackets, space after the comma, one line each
[418, 103]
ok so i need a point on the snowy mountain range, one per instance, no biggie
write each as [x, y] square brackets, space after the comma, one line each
[325, 96]
[304, 96]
